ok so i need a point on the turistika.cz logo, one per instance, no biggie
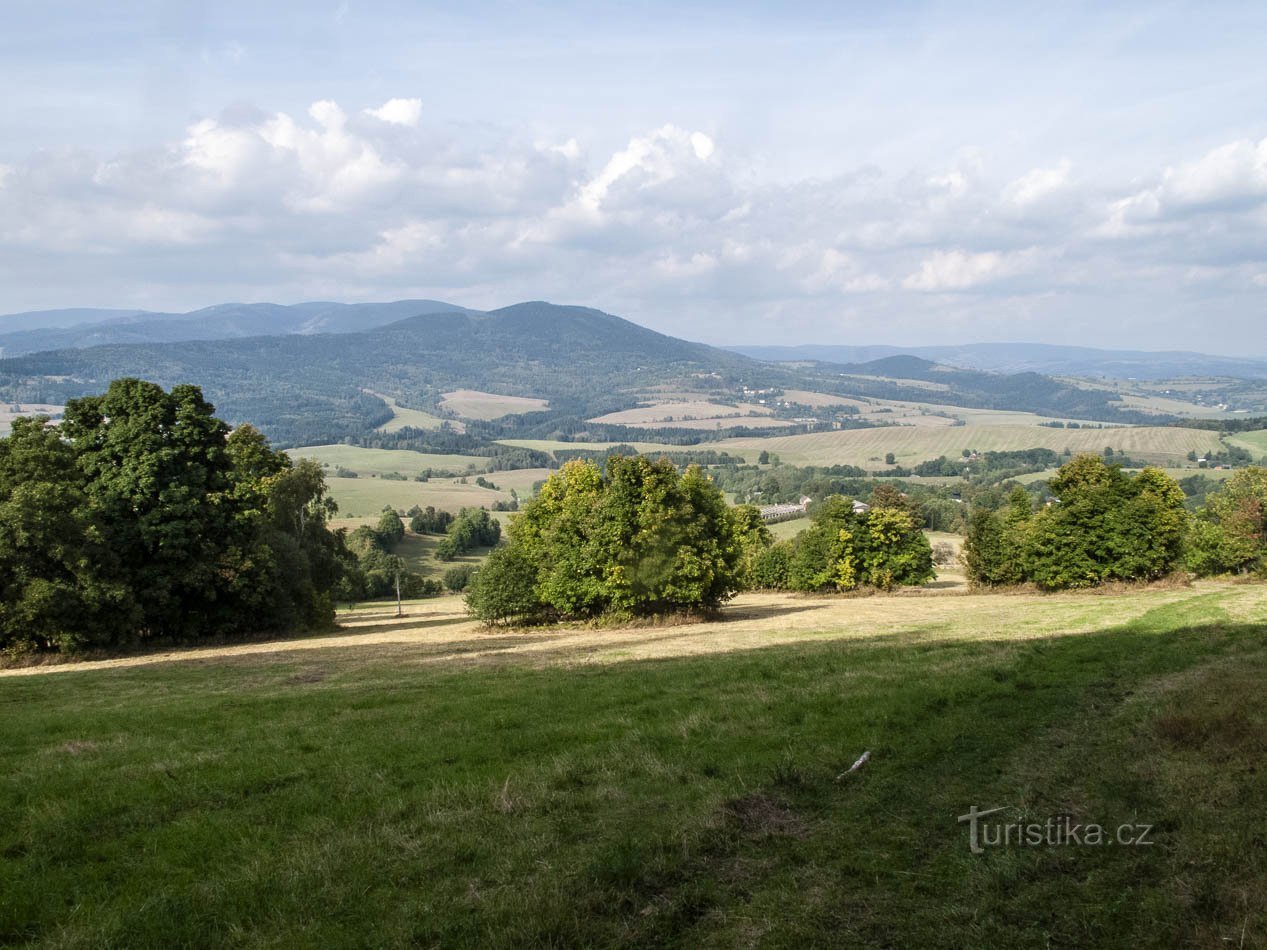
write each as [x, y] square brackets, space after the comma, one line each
[1057, 831]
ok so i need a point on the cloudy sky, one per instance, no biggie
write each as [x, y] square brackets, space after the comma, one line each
[734, 173]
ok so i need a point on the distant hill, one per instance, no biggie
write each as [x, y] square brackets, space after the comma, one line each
[1030, 358]
[308, 387]
[34, 332]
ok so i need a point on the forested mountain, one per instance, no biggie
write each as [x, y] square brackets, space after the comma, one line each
[303, 388]
[1030, 358]
[65, 329]
[306, 388]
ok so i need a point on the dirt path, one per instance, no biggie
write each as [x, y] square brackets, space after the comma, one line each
[438, 631]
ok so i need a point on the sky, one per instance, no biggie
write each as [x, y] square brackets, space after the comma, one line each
[905, 173]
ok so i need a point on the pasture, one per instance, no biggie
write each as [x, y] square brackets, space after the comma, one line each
[403, 417]
[425, 781]
[911, 445]
[365, 497]
[1255, 442]
[386, 461]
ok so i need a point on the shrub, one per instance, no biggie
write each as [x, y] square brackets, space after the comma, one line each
[459, 577]
[504, 590]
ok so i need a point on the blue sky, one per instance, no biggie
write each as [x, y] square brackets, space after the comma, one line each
[905, 172]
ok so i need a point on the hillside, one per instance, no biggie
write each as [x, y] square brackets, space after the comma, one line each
[1030, 358]
[306, 389]
[76, 329]
[426, 781]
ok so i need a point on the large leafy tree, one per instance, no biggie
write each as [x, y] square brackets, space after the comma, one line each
[141, 515]
[60, 581]
[158, 469]
[636, 538]
[1104, 525]
[1229, 534]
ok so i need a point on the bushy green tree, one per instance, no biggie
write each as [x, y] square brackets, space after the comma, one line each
[141, 515]
[61, 585]
[884, 547]
[754, 539]
[390, 528]
[636, 538]
[1104, 525]
[994, 549]
[458, 578]
[505, 589]
[771, 569]
[1229, 534]
[473, 528]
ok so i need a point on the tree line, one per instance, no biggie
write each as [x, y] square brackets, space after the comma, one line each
[638, 537]
[1104, 524]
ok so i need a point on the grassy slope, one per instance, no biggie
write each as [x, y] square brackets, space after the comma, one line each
[348, 797]
[385, 461]
[1255, 442]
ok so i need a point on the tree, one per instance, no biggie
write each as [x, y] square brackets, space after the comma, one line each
[1229, 534]
[458, 578]
[60, 583]
[505, 589]
[635, 538]
[390, 528]
[141, 515]
[753, 537]
[1104, 525]
[890, 458]
[845, 549]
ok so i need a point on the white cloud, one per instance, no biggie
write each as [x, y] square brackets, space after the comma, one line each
[1038, 185]
[961, 270]
[1234, 172]
[338, 203]
[404, 112]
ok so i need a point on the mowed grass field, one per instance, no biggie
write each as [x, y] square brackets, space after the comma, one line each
[364, 497]
[473, 404]
[424, 782]
[914, 444]
[385, 461]
[1255, 442]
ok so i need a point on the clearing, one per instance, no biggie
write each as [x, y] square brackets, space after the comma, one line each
[473, 404]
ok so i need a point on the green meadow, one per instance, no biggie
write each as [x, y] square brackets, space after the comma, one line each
[421, 781]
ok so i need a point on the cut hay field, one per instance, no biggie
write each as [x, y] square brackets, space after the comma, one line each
[473, 404]
[386, 461]
[422, 781]
[918, 444]
[8, 413]
[676, 411]
[914, 444]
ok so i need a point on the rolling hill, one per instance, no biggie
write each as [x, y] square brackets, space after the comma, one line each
[34, 332]
[1030, 358]
[304, 387]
